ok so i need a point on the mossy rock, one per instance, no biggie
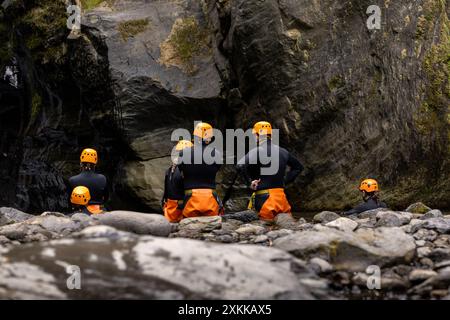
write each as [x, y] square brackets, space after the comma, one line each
[418, 207]
[131, 28]
[186, 41]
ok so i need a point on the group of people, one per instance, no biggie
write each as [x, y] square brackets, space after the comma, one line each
[190, 183]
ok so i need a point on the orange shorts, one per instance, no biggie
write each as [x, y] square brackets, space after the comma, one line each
[201, 202]
[171, 211]
[94, 209]
[271, 203]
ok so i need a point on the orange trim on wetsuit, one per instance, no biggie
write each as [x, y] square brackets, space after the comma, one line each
[171, 211]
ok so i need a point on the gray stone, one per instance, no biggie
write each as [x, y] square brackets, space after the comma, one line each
[201, 224]
[275, 234]
[243, 216]
[250, 229]
[323, 265]
[418, 275]
[432, 214]
[136, 222]
[156, 268]
[11, 215]
[343, 224]
[425, 234]
[325, 217]
[351, 251]
[285, 221]
[441, 225]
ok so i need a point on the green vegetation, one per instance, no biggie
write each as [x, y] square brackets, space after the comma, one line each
[36, 102]
[186, 41]
[128, 29]
[90, 4]
[335, 83]
[434, 114]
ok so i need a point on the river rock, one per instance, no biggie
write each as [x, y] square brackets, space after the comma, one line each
[201, 224]
[40, 228]
[250, 229]
[432, 214]
[393, 219]
[322, 265]
[418, 207]
[11, 215]
[136, 222]
[351, 251]
[325, 217]
[154, 268]
[285, 221]
[343, 224]
[243, 216]
[425, 234]
[418, 275]
[441, 225]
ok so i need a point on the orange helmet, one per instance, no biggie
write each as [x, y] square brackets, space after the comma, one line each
[81, 196]
[183, 144]
[89, 156]
[369, 185]
[204, 131]
[262, 128]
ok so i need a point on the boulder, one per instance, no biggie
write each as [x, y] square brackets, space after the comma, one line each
[285, 221]
[325, 217]
[322, 265]
[155, 268]
[136, 222]
[441, 225]
[343, 224]
[243, 216]
[418, 207]
[11, 215]
[250, 229]
[418, 275]
[41, 228]
[393, 219]
[201, 224]
[351, 251]
[432, 214]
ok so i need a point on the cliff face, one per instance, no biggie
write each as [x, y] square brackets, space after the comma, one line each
[350, 102]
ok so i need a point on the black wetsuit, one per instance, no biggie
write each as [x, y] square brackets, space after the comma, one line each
[173, 185]
[202, 175]
[370, 204]
[96, 183]
[250, 166]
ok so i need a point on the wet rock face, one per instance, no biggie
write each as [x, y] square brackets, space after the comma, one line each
[348, 101]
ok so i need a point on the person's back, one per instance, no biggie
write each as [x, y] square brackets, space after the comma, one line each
[264, 167]
[199, 175]
[174, 187]
[95, 182]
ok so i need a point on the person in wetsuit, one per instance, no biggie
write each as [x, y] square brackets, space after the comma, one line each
[96, 183]
[79, 199]
[369, 189]
[174, 188]
[269, 198]
[199, 175]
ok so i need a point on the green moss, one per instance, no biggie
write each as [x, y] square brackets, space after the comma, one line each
[432, 117]
[186, 41]
[335, 83]
[128, 29]
[36, 103]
